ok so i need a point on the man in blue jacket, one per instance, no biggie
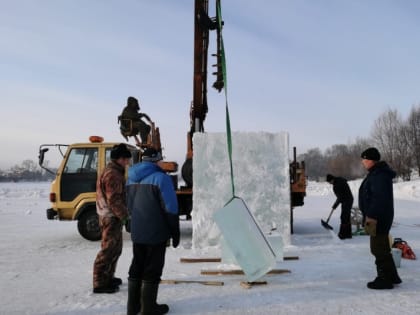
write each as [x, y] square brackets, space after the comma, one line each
[376, 201]
[152, 201]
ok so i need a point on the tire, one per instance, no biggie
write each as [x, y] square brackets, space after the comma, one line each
[187, 172]
[88, 225]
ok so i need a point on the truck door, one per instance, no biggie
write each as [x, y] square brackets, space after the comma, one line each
[79, 173]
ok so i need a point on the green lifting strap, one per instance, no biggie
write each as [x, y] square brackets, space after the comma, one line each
[223, 58]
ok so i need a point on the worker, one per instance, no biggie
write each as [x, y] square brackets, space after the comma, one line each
[113, 214]
[138, 126]
[345, 198]
[152, 201]
[376, 201]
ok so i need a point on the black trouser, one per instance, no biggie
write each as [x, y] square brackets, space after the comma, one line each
[148, 261]
[346, 212]
[380, 248]
[143, 129]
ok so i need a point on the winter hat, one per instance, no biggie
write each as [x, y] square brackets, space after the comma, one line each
[371, 154]
[120, 151]
[133, 102]
[330, 177]
[151, 155]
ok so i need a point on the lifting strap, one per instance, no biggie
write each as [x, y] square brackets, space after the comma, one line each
[223, 59]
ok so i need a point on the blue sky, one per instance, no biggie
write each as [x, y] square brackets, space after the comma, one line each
[321, 70]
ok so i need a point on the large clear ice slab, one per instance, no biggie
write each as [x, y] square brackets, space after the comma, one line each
[245, 240]
[261, 171]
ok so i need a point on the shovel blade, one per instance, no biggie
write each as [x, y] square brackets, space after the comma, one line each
[326, 225]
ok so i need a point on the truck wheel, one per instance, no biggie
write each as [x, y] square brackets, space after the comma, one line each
[88, 225]
[187, 172]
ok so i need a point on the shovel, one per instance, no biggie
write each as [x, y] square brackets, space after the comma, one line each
[325, 223]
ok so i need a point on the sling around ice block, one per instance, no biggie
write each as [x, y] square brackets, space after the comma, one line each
[247, 243]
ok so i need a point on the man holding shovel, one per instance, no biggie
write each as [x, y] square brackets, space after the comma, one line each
[345, 197]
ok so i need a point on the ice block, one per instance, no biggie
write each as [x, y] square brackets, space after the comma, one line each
[245, 239]
[261, 172]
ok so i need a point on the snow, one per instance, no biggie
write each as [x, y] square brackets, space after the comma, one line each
[46, 267]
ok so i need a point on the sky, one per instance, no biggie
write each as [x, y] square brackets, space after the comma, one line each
[321, 70]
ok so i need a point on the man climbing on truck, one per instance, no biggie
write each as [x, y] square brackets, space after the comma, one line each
[131, 120]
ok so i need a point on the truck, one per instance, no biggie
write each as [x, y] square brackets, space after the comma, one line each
[73, 189]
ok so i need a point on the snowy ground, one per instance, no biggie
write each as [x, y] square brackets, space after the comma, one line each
[46, 267]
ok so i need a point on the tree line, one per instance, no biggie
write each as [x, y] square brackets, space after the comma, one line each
[28, 170]
[397, 139]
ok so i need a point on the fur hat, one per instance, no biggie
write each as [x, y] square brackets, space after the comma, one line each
[151, 155]
[133, 102]
[330, 177]
[371, 154]
[120, 151]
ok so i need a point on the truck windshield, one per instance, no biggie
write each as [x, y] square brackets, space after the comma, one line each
[82, 160]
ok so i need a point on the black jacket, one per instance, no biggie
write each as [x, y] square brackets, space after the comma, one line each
[342, 191]
[376, 198]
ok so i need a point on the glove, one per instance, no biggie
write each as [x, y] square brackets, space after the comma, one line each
[127, 223]
[370, 226]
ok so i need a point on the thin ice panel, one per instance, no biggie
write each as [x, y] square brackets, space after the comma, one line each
[245, 239]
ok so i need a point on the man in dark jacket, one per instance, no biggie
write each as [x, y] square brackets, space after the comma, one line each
[376, 201]
[345, 197]
[152, 201]
[131, 111]
[112, 212]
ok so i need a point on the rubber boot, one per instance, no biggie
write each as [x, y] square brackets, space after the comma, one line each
[345, 231]
[391, 270]
[134, 295]
[149, 292]
[381, 282]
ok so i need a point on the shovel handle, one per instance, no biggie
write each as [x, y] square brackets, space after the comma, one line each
[332, 210]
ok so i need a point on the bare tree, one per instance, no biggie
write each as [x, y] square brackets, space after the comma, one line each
[315, 163]
[390, 136]
[413, 134]
[355, 150]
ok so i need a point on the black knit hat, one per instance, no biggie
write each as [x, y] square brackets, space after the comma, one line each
[151, 155]
[330, 177]
[133, 102]
[120, 151]
[371, 154]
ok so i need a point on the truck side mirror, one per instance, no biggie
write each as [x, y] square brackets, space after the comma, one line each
[41, 156]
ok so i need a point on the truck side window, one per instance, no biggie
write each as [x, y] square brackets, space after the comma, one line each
[82, 160]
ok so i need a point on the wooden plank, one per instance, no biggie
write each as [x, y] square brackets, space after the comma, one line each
[200, 260]
[239, 272]
[218, 259]
[290, 257]
[171, 281]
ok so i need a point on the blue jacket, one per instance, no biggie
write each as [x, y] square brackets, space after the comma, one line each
[152, 202]
[376, 199]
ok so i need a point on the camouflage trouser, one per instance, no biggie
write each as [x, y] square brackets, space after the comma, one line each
[111, 248]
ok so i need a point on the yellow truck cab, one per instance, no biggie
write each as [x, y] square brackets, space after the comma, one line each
[73, 191]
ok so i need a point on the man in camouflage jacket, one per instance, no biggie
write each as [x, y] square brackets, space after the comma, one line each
[113, 214]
